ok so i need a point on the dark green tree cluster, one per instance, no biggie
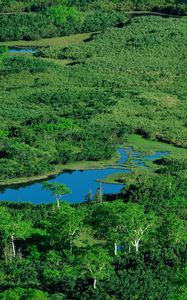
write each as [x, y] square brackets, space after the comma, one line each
[134, 247]
[26, 27]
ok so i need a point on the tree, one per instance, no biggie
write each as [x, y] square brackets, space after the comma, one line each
[65, 224]
[105, 219]
[137, 225]
[61, 14]
[89, 197]
[57, 190]
[97, 263]
[98, 197]
[171, 230]
[20, 293]
[11, 229]
[155, 192]
[123, 223]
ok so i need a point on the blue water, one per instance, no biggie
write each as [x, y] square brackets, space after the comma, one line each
[138, 161]
[80, 183]
[155, 155]
[22, 50]
[123, 156]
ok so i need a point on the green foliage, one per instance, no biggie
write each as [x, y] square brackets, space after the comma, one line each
[11, 229]
[97, 263]
[55, 21]
[54, 259]
[166, 188]
[123, 224]
[51, 18]
[20, 294]
[3, 52]
[100, 20]
[31, 20]
[25, 26]
[61, 14]
[19, 64]
[70, 220]
[120, 82]
[176, 6]
[171, 166]
[57, 190]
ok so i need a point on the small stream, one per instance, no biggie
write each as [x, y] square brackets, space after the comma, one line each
[80, 182]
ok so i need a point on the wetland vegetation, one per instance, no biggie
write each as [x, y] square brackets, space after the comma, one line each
[139, 81]
[100, 78]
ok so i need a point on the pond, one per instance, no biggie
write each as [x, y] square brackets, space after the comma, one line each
[21, 50]
[80, 182]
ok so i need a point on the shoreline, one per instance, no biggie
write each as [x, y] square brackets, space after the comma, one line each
[59, 169]
[134, 142]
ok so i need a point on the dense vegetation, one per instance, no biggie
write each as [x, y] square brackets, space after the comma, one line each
[36, 19]
[32, 26]
[39, 5]
[130, 248]
[124, 80]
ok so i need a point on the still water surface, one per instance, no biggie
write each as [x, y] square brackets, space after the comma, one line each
[21, 50]
[80, 182]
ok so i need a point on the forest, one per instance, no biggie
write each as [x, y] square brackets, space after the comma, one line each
[100, 77]
[132, 246]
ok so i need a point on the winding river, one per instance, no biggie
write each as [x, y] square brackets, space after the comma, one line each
[80, 182]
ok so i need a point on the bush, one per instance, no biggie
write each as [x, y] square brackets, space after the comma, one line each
[101, 20]
[60, 14]
[26, 27]
[17, 64]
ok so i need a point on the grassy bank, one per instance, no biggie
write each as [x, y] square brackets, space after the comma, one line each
[80, 165]
[139, 143]
[136, 142]
[63, 41]
[147, 147]
[57, 42]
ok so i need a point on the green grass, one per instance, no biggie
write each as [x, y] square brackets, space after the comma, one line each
[86, 238]
[56, 42]
[63, 41]
[61, 62]
[80, 165]
[141, 144]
